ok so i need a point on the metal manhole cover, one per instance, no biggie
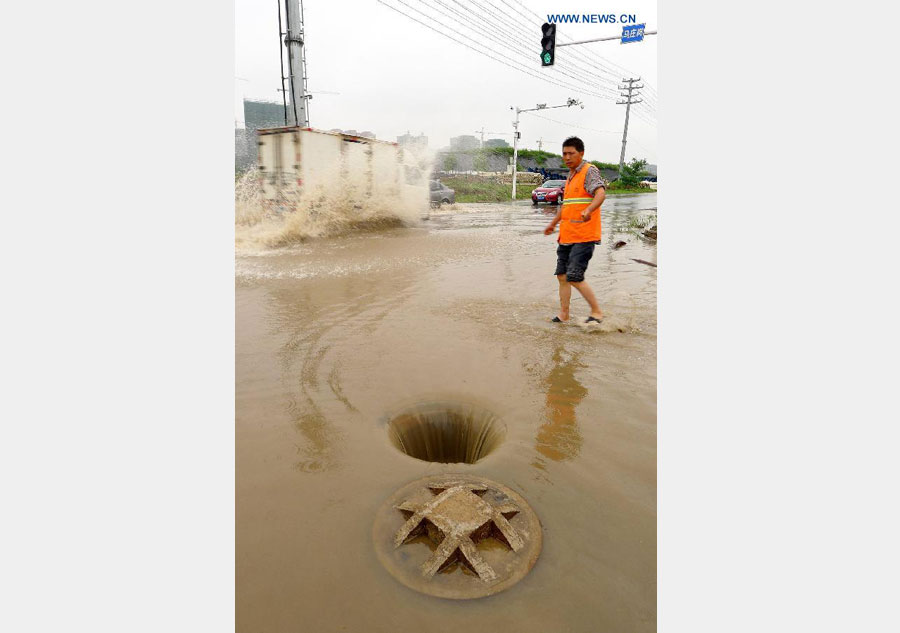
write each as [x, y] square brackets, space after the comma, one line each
[457, 536]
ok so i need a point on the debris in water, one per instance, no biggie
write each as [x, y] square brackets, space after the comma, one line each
[619, 244]
[641, 261]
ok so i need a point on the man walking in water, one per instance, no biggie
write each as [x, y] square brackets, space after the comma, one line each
[579, 231]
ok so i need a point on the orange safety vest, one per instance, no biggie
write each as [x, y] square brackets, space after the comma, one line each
[572, 228]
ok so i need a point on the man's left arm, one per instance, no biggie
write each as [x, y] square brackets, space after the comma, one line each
[599, 194]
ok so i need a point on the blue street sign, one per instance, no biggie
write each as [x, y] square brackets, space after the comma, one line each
[633, 33]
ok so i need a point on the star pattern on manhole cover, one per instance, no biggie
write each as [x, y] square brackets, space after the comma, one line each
[457, 536]
[460, 517]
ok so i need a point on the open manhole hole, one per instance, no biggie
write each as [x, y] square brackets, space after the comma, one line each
[457, 536]
[445, 432]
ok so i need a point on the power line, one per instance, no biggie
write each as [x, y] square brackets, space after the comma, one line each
[448, 36]
[577, 89]
[528, 31]
[643, 117]
[586, 75]
[516, 47]
[515, 64]
[600, 59]
[498, 29]
[646, 149]
[580, 127]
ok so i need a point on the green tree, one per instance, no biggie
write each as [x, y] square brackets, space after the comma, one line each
[633, 173]
[449, 162]
[480, 161]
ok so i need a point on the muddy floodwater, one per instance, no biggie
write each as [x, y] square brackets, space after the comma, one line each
[335, 335]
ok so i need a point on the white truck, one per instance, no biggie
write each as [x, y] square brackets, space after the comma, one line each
[303, 166]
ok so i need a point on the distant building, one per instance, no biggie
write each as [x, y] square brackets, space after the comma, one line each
[410, 140]
[464, 143]
[263, 114]
[496, 142]
[257, 115]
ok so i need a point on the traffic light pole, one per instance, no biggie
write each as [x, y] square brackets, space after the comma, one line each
[540, 106]
[601, 39]
[548, 40]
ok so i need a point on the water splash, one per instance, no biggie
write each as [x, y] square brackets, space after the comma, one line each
[319, 212]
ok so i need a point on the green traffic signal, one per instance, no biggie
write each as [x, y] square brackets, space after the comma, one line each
[548, 44]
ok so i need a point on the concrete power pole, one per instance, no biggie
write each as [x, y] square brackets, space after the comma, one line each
[629, 99]
[540, 144]
[298, 112]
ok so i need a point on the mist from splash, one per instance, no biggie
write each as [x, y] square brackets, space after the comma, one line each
[338, 209]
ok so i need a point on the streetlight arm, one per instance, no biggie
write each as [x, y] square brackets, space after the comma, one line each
[565, 105]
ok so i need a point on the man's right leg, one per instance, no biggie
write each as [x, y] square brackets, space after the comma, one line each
[565, 289]
[565, 296]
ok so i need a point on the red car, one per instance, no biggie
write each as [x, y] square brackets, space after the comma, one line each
[550, 192]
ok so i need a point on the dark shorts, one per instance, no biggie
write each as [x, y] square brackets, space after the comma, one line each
[572, 260]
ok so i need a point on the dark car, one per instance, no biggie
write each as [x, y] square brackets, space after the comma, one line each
[551, 192]
[441, 194]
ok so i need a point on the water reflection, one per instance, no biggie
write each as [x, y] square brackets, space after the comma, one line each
[559, 438]
[318, 449]
[312, 318]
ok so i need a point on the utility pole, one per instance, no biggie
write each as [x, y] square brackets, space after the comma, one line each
[540, 144]
[541, 106]
[298, 113]
[630, 98]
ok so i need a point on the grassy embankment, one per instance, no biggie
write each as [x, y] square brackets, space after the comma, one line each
[474, 191]
[615, 188]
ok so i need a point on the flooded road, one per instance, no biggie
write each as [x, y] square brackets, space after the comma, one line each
[335, 334]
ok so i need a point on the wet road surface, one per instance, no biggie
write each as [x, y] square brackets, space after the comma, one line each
[334, 334]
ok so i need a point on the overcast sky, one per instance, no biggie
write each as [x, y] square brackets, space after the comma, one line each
[394, 74]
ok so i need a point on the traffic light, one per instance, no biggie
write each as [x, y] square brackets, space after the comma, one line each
[548, 44]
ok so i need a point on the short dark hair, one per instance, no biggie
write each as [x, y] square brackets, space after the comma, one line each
[574, 141]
